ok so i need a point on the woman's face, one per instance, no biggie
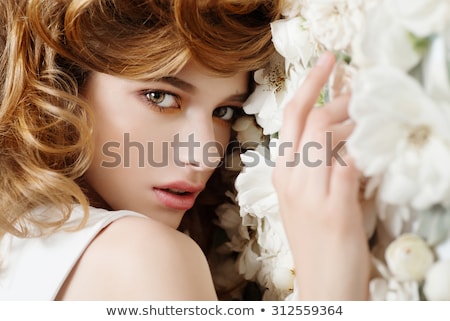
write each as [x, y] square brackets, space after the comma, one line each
[158, 142]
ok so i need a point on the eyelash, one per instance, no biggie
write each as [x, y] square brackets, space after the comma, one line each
[236, 111]
[147, 95]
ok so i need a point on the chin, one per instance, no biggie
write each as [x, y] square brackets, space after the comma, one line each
[170, 219]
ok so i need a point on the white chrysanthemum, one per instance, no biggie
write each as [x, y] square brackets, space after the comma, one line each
[409, 258]
[397, 219]
[271, 236]
[256, 194]
[387, 288]
[399, 131]
[384, 41]
[437, 282]
[393, 290]
[277, 273]
[259, 207]
[369, 215]
[334, 23]
[291, 8]
[283, 277]
[278, 277]
[401, 141]
[293, 41]
[420, 17]
[341, 79]
[435, 77]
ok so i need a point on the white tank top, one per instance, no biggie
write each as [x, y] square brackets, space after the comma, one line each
[36, 268]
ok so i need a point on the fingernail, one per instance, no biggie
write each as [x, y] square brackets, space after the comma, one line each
[325, 59]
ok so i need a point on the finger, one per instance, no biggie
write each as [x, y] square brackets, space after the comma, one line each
[319, 158]
[324, 118]
[345, 180]
[329, 127]
[338, 108]
[339, 133]
[297, 110]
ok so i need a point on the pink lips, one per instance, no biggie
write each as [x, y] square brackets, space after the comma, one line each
[178, 195]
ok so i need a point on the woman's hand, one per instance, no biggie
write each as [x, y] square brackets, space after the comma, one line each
[319, 195]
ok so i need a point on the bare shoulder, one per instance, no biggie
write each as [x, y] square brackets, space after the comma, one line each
[140, 259]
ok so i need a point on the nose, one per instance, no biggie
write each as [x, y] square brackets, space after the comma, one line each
[197, 146]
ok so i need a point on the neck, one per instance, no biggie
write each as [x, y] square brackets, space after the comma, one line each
[94, 198]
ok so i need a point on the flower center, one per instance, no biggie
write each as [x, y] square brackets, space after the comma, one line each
[419, 135]
[276, 77]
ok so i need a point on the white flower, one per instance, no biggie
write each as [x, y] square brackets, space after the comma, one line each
[259, 209]
[341, 79]
[265, 101]
[271, 236]
[443, 250]
[228, 217]
[393, 290]
[399, 52]
[433, 224]
[248, 133]
[279, 283]
[384, 40]
[293, 41]
[291, 8]
[399, 131]
[409, 258]
[334, 23]
[283, 278]
[230, 221]
[276, 275]
[420, 17]
[436, 80]
[276, 85]
[397, 219]
[437, 282]
[248, 263]
[386, 287]
[369, 216]
[256, 194]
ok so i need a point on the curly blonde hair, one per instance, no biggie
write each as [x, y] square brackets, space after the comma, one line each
[49, 47]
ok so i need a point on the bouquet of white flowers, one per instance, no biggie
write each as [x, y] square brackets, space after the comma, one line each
[394, 56]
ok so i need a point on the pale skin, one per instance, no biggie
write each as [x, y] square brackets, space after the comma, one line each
[148, 259]
[319, 205]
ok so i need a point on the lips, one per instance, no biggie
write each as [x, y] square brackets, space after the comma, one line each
[175, 191]
[178, 195]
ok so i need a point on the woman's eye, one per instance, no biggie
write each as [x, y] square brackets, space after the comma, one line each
[162, 99]
[224, 113]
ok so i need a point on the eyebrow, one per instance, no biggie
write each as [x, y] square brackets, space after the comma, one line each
[181, 84]
[185, 86]
[238, 97]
